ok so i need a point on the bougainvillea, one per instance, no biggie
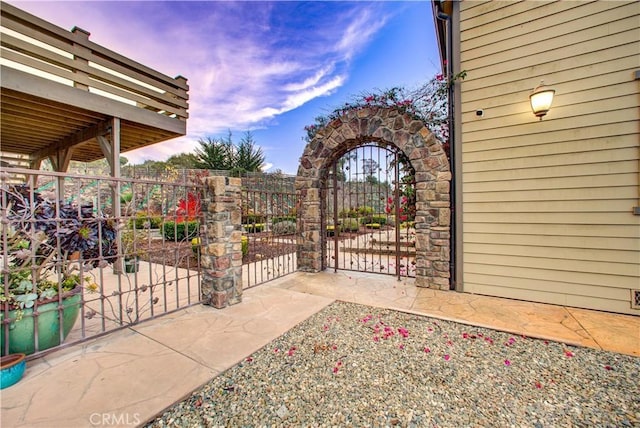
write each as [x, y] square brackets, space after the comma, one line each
[429, 103]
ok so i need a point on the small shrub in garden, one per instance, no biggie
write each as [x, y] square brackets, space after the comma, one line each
[373, 219]
[155, 221]
[253, 218]
[284, 228]
[350, 225]
[181, 231]
[348, 213]
[245, 245]
[379, 219]
[253, 228]
[365, 211]
[195, 245]
[144, 220]
[372, 225]
[275, 220]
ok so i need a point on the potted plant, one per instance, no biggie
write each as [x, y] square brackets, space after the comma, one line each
[47, 248]
[133, 244]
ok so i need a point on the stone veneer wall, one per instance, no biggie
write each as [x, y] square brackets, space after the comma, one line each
[390, 127]
[221, 246]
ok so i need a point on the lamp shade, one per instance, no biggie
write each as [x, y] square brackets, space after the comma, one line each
[541, 99]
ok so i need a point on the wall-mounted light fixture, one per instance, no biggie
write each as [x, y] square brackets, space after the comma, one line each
[541, 99]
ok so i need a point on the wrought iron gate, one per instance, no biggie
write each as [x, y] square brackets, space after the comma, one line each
[368, 211]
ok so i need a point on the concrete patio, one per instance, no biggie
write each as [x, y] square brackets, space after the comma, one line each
[127, 377]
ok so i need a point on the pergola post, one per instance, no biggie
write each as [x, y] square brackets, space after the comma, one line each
[111, 150]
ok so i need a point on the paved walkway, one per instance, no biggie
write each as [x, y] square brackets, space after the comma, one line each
[128, 377]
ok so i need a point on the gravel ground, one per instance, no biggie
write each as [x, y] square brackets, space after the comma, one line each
[354, 365]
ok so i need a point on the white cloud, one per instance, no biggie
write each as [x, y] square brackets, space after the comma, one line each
[359, 32]
[246, 62]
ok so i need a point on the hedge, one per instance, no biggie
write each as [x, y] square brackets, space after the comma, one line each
[185, 230]
[374, 219]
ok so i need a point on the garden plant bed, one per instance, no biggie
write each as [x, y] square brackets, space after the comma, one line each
[180, 254]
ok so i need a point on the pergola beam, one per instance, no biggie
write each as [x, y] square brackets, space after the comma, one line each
[79, 137]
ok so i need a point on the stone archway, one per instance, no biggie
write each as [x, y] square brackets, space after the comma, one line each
[433, 213]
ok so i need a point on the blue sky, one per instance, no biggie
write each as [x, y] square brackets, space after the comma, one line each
[268, 67]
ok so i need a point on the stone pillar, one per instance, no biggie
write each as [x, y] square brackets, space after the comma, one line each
[309, 240]
[221, 237]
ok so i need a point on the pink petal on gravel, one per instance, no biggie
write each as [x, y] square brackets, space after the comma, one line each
[447, 357]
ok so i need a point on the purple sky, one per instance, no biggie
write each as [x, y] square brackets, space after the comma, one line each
[268, 67]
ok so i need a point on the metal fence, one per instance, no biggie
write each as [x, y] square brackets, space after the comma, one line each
[269, 224]
[81, 256]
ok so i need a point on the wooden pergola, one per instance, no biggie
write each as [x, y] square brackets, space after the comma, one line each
[66, 98]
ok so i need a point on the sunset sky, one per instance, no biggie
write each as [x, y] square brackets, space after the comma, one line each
[268, 67]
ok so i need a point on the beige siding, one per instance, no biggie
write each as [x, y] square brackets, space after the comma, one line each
[547, 205]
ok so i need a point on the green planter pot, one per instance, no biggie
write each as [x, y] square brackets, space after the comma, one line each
[22, 333]
[131, 265]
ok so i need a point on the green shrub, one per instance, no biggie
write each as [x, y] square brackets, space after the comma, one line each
[284, 228]
[154, 221]
[350, 225]
[373, 219]
[253, 218]
[279, 219]
[253, 228]
[379, 219]
[365, 211]
[125, 198]
[407, 224]
[195, 245]
[182, 231]
[372, 225]
[348, 213]
[245, 245]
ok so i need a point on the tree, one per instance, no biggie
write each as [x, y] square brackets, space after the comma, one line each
[220, 154]
[215, 154]
[369, 168]
[183, 161]
[249, 158]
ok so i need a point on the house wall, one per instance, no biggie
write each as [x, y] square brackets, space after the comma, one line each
[547, 205]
